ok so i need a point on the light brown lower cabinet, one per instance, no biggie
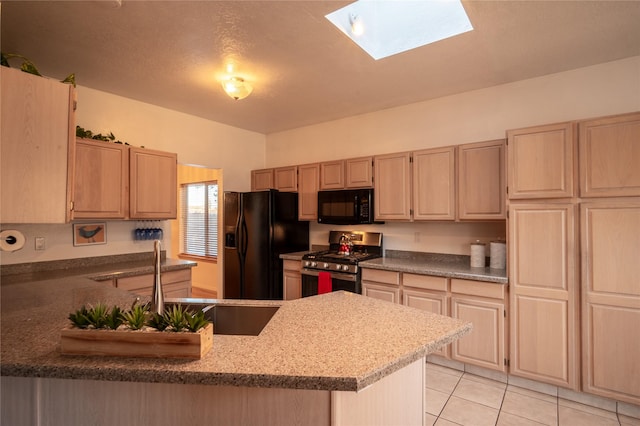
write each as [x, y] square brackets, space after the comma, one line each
[482, 303]
[610, 244]
[291, 279]
[430, 294]
[174, 283]
[383, 285]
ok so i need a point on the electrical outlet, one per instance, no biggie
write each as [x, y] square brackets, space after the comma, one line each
[39, 243]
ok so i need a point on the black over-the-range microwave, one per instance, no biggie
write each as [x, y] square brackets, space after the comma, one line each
[345, 206]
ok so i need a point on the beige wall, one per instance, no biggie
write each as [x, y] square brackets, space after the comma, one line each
[604, 89]
[196, 140]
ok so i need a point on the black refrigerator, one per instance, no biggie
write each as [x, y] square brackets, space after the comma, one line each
[258, 227]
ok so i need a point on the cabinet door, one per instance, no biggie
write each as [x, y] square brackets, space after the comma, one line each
[381, 292]
[359, 172]
[434, 302]
[332, 175]
[609, 156]
[434, 184]
[100, 181]
[308, 191]
[541, 161]
[286, 178]
[153, 184]
[485, 345]
[262, 179]
[542, 279]
[481, 180]
[610, 243]
[37, 137]
[392, 193]
[292, 280]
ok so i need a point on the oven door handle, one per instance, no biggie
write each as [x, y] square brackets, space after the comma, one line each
[334, 275]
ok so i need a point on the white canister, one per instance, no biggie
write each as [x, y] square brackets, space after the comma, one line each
[498, 253]
[478, 255]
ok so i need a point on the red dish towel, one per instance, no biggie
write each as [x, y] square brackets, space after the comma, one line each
[324, 282]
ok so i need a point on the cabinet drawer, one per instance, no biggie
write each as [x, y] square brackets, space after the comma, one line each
[478, 288]
[291, 265]
[136, 282]
[176, 276]
[146, 280]
[427, 282]
[387, 277]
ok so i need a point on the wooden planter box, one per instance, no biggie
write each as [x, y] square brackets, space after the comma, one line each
[137, 343]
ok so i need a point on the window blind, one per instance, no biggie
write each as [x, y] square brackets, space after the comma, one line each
[199, 214]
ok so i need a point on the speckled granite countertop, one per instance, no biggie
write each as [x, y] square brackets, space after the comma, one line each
[442, 265]
[336, 341]
[294, 256]
[97, 268]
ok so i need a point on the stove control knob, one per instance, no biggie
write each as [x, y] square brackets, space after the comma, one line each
[306, 263]
[314, 264]
[325, 265]
[338, 267]
[345, 268]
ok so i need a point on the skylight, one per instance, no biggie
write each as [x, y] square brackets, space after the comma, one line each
[387, 27]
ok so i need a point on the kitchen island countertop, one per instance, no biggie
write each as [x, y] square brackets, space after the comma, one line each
[338, 341]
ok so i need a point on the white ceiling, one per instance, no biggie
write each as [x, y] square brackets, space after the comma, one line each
[304, 71]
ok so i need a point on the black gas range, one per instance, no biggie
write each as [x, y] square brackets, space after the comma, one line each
[340, 262]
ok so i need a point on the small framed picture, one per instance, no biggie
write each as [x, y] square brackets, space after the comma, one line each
[85, 234]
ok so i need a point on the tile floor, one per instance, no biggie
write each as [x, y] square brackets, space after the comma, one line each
[458, 398]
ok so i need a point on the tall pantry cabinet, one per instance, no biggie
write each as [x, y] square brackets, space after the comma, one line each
[610, 247]
[574, 239]
[543, 254]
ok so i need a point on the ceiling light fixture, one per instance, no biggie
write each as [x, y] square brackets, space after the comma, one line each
[237, 88]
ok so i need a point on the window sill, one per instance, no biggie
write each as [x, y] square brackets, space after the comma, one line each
[210, 259]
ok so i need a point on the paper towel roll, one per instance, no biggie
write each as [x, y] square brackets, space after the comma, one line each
[11, 240]
[478, 255]
[498, 252]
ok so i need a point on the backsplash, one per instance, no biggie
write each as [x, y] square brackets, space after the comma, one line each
[59, 242]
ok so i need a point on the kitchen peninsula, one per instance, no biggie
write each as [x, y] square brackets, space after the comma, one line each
[338, 358]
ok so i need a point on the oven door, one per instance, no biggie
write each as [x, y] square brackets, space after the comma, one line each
[339, 281]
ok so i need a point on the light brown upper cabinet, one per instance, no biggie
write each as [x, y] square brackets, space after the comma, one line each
[308, 184]
[543, 286]
[332, 175]
[609, 151]
[286, 178]
[153, 184]
[541, 161]
[434, 184]
[38, 133]
[101, 180]
[392, 192]
[281, 178]
[359, 172]
[481, 180]
[610, 243]
[262, 179]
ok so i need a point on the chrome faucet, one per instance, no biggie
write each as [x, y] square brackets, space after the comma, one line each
[157, 304]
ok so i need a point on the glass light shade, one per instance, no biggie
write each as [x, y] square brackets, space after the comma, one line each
[237, 88]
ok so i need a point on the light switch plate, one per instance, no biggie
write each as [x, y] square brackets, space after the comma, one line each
[39, 243]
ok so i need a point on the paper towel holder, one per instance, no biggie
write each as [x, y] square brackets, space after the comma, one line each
[11, 240]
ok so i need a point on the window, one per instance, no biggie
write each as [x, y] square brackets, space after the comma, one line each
[199, 234]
